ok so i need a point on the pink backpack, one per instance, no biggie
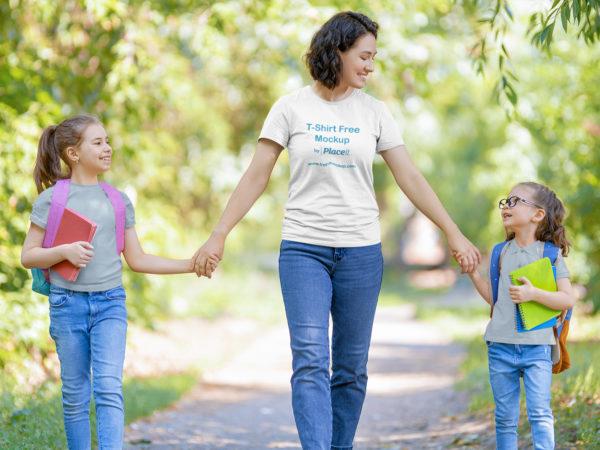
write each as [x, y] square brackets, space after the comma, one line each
[41, 277]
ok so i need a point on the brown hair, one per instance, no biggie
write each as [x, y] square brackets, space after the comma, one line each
[550, 229]
[336, 35]
[54, 141]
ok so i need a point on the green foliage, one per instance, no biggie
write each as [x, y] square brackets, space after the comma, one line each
[584, 14]
[495, 18]
[184, 86]
[31, 422]
[144, 396]
[35, 421]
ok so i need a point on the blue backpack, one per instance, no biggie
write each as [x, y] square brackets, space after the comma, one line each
[41, 277]
[560, 324]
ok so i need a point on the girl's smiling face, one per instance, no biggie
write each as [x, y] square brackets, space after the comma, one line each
[94, 153]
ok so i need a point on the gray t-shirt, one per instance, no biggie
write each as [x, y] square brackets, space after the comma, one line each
[503, 324]
[331, 146]
[103, 272]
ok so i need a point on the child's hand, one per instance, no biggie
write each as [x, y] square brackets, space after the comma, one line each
[465, 253]
[211, 265]
[211, 250]
[79, 253]
[522, 294]
[462, 260]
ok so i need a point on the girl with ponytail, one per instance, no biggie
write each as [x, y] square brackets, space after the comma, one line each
[88, 317]
[532, 216]
[550, 229]
[52, 147]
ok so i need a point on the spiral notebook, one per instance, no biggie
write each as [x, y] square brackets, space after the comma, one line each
[533, 315]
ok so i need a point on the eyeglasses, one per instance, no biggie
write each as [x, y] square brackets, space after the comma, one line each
[512, 202]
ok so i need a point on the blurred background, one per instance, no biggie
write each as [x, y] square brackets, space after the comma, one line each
[183, 87]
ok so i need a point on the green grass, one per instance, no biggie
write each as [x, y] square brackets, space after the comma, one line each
[35, 421]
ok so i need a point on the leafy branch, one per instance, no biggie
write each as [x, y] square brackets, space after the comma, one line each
[496, 21]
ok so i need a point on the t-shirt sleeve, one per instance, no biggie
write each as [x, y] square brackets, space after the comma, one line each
[41, 208]
[561, 268]
[389, 132]
[276, 127]
[129, 211]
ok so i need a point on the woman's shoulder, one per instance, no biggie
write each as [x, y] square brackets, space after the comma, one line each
[292, 98]
[369, 101]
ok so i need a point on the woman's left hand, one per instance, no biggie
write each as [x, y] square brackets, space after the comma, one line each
[464, 252]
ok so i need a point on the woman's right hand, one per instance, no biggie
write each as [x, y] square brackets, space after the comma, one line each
[208, 256]
[78, 253]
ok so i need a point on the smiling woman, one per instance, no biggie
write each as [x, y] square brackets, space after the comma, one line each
[330, 261]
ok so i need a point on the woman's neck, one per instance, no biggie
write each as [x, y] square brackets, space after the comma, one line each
[339, 92]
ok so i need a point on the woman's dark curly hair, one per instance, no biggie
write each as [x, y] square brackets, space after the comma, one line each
[551, 228]
[338, 33]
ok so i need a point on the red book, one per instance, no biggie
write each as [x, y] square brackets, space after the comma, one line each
[73, 227]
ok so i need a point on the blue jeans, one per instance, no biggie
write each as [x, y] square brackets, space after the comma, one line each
[90, 330]
[508, 362]
[317, 281]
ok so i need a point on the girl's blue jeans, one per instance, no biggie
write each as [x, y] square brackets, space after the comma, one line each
[90, 330]
[508, 362]
[317, 282]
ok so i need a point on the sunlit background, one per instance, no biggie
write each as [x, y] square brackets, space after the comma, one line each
[183, 87]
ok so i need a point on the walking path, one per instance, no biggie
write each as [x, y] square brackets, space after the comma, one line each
[245, 402]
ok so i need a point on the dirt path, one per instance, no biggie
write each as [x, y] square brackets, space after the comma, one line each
[245, 401]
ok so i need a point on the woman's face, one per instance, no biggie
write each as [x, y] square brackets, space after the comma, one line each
[357, 61]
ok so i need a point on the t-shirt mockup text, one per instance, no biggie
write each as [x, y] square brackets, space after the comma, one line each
[331, 145]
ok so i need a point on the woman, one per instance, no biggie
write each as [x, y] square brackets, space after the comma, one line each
[330, 257]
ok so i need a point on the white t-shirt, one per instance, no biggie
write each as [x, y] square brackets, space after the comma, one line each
[331, 145]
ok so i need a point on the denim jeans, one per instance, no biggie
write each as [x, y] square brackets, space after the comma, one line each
[508, 362]
[90, 330]
[317, 281]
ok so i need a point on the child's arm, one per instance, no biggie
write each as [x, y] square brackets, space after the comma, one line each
[482, 286]
[564, 298]
[33, 255]
[139, 261]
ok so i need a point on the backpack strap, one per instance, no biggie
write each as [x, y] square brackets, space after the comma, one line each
[57, 207]
[553, 252]
[549, 250]
[58, 204]
[495, 262]
[116, 199]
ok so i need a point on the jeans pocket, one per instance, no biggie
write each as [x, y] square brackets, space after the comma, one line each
[117, 293]
[58, 299]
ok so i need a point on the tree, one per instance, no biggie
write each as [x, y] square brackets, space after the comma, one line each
[496, 17]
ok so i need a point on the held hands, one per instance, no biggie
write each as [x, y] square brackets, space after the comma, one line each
[207, 258]
[79, 253]
[464, 252]
[523, 293]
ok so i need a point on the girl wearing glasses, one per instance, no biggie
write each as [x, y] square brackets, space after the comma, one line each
[532, 215]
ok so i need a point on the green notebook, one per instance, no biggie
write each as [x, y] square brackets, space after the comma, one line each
[541, 275]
